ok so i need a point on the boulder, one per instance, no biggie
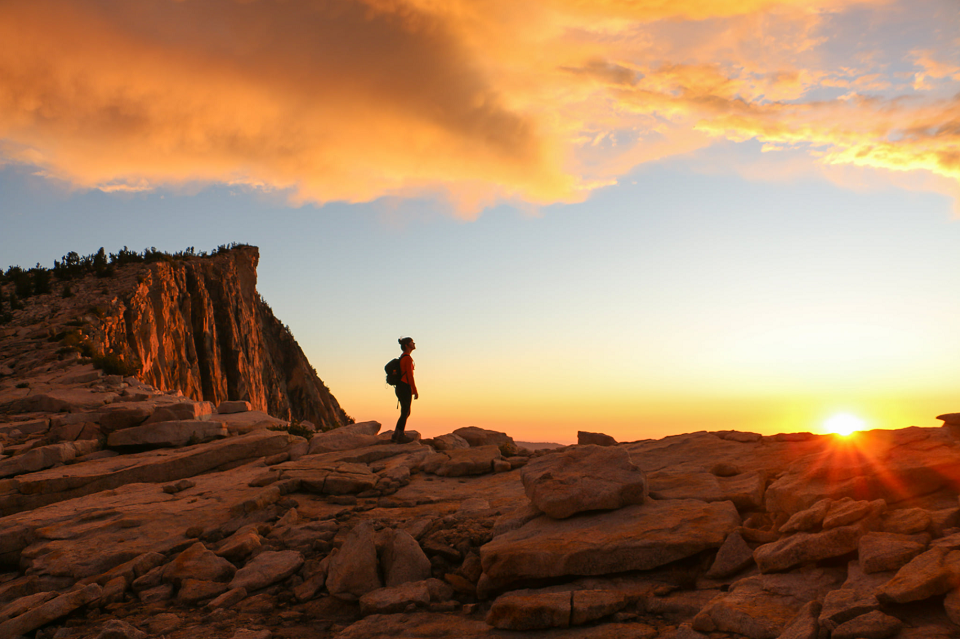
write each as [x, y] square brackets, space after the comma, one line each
[267, 568]
[361, 428]
[353, 570]
[482, 437]
[951, 605]
[341, 478]
[807, 519]
[196, 562]
[196, 590]
[462, 462]
[805, 625]
[340, 439]
[59, 484]
[450, 442]
[384, 601]
[181, 411]
[734, 555]
[583, 479]
[46, 457]
[163, 434]
[121, 418]
[639, 537]
[880, 551]
[916, 462]
[118, 629]
[594, 439]
[231, 407]
[873, 625]
[402, 559]
[844, 604]
[50, 611]
[761, 607]
[672, 484]
[934, 572]
[590, 605]
[906, 521]
[802, 548]
[228, 599]
[847, 511]
[531, 610]
[164, 623]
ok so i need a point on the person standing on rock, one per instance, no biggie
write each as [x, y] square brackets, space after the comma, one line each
[406, 388]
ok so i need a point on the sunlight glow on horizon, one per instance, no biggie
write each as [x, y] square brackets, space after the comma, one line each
[844, 424]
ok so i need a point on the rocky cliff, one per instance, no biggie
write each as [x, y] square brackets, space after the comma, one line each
[199, 326]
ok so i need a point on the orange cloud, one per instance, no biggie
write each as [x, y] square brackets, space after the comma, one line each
[481, 101]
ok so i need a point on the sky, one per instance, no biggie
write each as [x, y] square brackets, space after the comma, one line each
[640, 218]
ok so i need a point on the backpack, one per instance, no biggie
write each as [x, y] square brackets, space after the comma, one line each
[392, 370]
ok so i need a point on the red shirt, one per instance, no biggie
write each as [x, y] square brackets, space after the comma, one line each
[406, 372]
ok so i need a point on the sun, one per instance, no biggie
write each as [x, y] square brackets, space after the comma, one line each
[843, 424]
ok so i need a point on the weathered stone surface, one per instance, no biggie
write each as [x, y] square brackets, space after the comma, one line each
[329, 478]
[402, 558]
[847, 511]
[879, 551]
[422, 625]
[196, 562]
[121, 418]
[805, 624]
[163, 623]
[906, 521]
[462, 462]
[916, 461]
[734, 555]
[173, 433]
[354, 569]
[951, 604]
[873, 625]
[802, 548]
[585, 438]
[181, 411]
[637, 537]
[46, 456]
[483, 437]
[590, 605]
[340, 439]
[761, 607]
[54, 485]
[531, 610]
[50, 611]
[745, 490]
[933, 572]
[313, 583]
[267, 568]
[25, 604]
[389, 600]
[807, 519]
[842, 605]
[118, 629]
[231, 407]
[228, 599]
[450, 442]
[673, 484]
[196, 590]
[582, 479]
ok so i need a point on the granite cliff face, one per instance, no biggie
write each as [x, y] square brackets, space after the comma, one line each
[199, 326]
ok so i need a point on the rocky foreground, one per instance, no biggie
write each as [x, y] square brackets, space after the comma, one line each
[128, 512]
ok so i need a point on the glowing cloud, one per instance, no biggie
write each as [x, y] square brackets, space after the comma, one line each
[540, 101]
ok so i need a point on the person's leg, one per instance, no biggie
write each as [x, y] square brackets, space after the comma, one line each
[405, 395]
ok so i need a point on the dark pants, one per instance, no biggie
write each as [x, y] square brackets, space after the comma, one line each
[405, 395]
